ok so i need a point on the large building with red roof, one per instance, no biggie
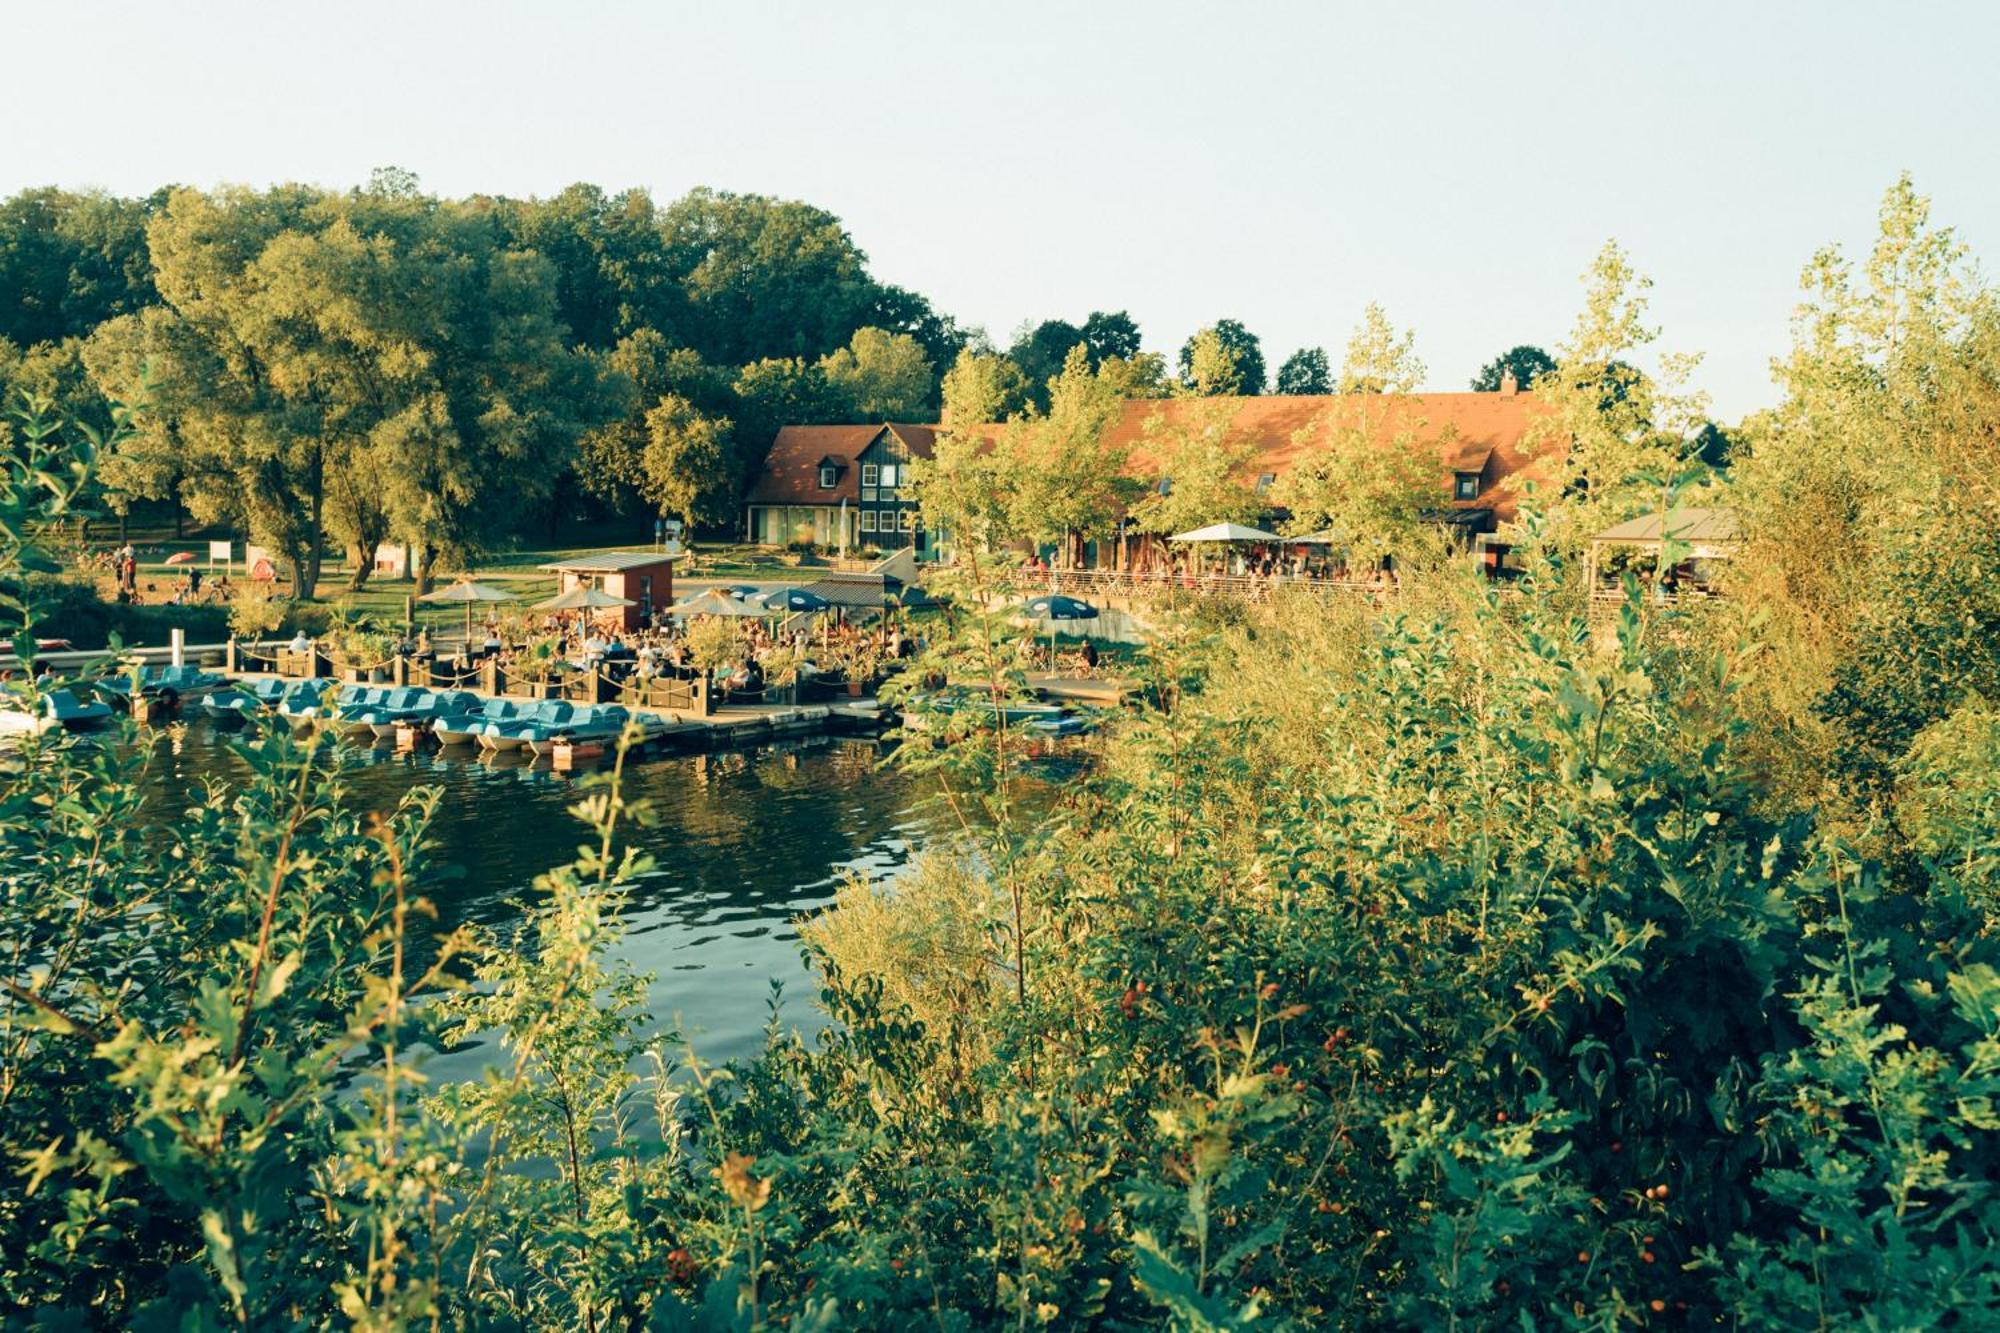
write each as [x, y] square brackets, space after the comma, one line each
[847, 485]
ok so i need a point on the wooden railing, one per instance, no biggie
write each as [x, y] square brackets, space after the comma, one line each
[1103, 583]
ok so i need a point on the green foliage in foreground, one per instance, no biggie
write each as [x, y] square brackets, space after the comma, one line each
[1442, 965]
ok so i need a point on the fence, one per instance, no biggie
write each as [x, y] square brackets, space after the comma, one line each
[1157, 584]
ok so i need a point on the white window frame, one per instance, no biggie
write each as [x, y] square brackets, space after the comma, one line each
[870, 474]
[1465, 486]
[868, 520]
[891, 475]
[907, 520]
[829, 476]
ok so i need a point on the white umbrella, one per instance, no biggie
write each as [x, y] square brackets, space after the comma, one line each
[716, 602]
[1226, 532]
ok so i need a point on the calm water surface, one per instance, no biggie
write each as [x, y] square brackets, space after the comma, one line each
[747, 841]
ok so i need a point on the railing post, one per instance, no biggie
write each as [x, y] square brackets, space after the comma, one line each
[698, 696]
[229, 662]
[489, 677]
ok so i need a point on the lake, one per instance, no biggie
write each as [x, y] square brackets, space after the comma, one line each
[746, 842]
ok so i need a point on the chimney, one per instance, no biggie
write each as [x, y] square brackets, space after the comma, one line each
[1509, 386]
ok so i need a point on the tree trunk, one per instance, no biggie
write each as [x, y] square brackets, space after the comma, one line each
[315, 526]
[180, 516]
[364, 565]
[426, 568]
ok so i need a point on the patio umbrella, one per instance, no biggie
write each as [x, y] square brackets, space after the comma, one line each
[1054, 607]
[793, 599]
[467, 592]
[1223, 532]
[583, 598]
[716, 602]
[181, 558]
[1226, 532]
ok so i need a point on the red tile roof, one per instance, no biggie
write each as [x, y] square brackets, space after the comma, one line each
[1473, 432]
[790, 474]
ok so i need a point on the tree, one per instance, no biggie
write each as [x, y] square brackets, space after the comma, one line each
[1305, 372]
[640, 371]
[988, 387]
[1208, 367]
[1040, 351]
[1617, 438]
[963, 492]
[686, 461]
[884, 375]
[1110, 334]
[1066, 476]
[613, 276]
[765, 278]
[1379, 359]
[1201, 459]
[1526, 361]
[69, 262]
[366, 364]
[1245, 358]
[776, 392]
[1365, 469]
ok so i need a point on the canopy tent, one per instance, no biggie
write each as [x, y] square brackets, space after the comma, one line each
[1706, 534]
[467, 592]
[1226, 532]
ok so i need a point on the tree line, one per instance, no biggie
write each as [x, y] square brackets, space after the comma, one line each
[326, 369]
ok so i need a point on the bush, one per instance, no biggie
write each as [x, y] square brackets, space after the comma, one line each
[67, 609]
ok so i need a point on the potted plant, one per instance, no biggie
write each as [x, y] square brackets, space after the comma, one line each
[713, 642]
[858, 662]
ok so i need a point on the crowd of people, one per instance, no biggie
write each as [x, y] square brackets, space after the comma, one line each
[758, 654]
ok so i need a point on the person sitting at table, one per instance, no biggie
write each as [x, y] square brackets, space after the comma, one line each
[300, 643]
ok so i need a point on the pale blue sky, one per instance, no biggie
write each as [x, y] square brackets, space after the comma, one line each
[1281, 164]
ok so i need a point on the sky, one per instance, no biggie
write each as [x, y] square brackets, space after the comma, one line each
[1280, 164]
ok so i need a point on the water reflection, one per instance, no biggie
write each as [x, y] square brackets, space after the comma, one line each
[746, 841]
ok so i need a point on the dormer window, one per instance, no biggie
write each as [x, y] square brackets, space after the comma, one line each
[1166, 486]
[829, 476]
[1265, 481]
[1465, 486]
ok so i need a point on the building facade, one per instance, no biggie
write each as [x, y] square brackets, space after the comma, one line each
[843, 488]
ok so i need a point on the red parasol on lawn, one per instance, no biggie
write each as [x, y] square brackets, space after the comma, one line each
[181, 558]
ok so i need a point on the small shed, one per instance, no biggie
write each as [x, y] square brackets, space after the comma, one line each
[643, 578]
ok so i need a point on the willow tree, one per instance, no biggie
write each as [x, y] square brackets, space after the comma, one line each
[369, 365]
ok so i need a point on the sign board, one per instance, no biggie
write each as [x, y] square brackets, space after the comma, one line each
[671, 526]
[220, 551]
[673, 547]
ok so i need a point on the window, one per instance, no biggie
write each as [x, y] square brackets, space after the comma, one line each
[1265, 481]
[909, 520]
[889, 474]
[868, 520]
[1466, 486]
[1166, 486]
[870, 474]
[829, 475]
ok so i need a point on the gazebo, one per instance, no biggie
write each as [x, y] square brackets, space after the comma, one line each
[1708, 535]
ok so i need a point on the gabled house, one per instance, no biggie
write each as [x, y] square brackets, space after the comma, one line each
[843, 487]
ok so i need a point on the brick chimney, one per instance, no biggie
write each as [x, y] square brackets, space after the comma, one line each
[1509, 386]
